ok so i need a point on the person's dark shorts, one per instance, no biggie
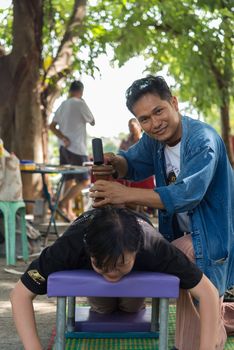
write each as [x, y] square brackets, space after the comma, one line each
[67, 157]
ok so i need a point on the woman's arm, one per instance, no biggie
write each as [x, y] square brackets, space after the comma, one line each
[208, 297]
[23, 314]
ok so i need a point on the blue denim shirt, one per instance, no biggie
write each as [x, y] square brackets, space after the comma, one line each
[204, 188]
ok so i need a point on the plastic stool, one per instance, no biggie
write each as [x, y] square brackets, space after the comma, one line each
[9, 210]
[85, 283]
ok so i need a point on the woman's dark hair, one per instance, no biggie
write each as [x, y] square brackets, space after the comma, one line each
[150, 84]
[112, 232]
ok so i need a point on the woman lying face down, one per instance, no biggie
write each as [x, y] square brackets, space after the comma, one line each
[113, 242]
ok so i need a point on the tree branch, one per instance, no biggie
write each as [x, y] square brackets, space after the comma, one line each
[62, 59]
[218, 76]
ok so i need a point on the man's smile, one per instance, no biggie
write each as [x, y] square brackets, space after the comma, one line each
[160, 131]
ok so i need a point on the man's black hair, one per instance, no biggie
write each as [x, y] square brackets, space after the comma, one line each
[76, 85]
[112, 232]
[151, 84]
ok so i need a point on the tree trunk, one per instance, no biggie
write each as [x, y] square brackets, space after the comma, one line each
[20, 115]
[59, 69]
[48, 97]
[224, 112]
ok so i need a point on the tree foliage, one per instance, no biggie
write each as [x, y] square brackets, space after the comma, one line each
[62, 26]
[192, 39]
[59, 47]
[39, 41]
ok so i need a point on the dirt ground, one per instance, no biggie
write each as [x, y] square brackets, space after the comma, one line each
[44, 307]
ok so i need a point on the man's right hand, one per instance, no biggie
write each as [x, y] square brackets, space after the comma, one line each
[66, 141]
[102, 172]
[118, 163]
[110, 157]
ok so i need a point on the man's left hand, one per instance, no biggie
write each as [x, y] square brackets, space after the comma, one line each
[108, 192]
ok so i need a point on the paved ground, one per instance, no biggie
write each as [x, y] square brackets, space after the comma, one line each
[44, 307]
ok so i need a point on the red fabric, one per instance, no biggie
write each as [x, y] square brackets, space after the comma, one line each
[148, 183]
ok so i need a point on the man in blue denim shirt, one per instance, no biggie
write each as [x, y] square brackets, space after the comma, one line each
[195, 181]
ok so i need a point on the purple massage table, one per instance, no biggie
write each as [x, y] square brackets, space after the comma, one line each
[82, 323]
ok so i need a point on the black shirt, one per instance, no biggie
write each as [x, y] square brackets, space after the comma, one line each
[69, 253]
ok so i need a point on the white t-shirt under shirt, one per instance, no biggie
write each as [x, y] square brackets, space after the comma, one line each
[72, 116]
[172, 161]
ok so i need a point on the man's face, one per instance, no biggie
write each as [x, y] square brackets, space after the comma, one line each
[123, 267]
[160, 119]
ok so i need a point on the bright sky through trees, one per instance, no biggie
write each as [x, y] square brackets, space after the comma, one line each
[4, 3]
[105, 96]
[105, 93]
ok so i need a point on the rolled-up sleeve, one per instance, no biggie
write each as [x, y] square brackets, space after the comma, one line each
[192, 183]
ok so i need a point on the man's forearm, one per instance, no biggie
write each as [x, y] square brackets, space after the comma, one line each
[56, 131]
[59, 134]
[145, 197]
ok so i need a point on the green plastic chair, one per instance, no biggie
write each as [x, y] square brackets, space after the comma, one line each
[9, 210]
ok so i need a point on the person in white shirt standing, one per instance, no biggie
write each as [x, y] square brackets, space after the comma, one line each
[69, 125]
